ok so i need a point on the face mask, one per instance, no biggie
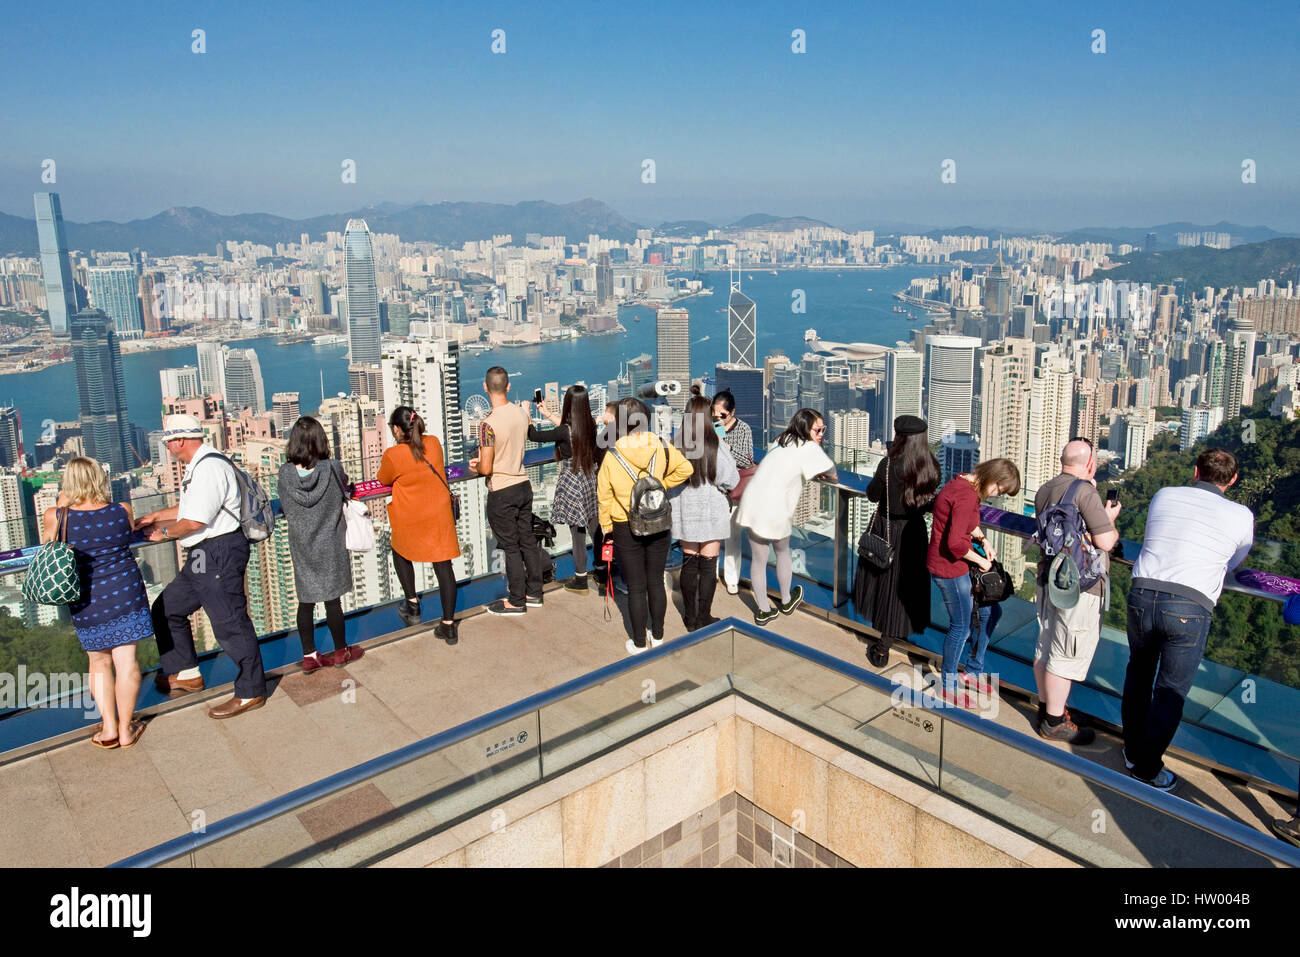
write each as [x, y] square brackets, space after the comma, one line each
[720, 429]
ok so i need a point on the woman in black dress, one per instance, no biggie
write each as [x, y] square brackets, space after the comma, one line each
[897, 600]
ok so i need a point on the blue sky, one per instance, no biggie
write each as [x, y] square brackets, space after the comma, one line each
[1043, 131]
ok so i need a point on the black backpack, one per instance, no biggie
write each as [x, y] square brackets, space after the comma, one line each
[650, 510]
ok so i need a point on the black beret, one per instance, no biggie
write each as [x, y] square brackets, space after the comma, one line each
[909, 425]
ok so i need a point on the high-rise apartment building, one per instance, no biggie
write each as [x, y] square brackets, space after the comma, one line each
[11, 438]
[1087, 411]
[950, 383]
[153, 303]
[60, 291]
[1198, 422]
[674, 353]
[115, 291]
[367, 378]
[902, 387]
[212, 368]
[362, 292]
[1007, 371]
[101, 389]
[1051, 414]
[1239, 372]
[179, 383]
[783, 399]
[286, 410]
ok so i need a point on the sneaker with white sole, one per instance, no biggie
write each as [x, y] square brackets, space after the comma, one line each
[1166, 780]
[654, 642]
[633, 648]
[531, 602]
[501, 608]
[796, 598]
[764, 617]
[1128, 765]
[733, 589]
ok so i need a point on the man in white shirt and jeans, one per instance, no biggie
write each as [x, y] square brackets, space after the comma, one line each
[1194, 537]
[206, 521]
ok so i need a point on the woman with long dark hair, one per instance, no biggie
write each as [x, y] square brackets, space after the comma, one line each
[313, 488]
[701, 510]
[952, 552]
[423, 524]
[896, 600]
[768, 503]
[575, 502]
[638, 451]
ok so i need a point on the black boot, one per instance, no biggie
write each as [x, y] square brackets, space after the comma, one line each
[690, 582]
[708, 572]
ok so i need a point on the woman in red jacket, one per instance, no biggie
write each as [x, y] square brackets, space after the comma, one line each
[949, 559]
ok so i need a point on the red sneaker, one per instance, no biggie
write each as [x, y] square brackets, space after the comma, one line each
[980, 684]
[958, 698]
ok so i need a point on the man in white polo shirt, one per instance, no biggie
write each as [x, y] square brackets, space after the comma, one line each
[206, 521]
[1194, 537]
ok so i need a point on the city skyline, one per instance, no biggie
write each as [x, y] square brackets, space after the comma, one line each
[1034, 103]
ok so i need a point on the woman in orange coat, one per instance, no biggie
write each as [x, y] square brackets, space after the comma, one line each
[420, 515]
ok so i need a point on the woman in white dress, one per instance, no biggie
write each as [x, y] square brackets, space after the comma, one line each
[767, 507]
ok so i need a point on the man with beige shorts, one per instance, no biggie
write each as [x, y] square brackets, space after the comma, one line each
[1069, 621]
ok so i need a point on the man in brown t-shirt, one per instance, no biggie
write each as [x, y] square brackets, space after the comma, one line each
[1067, 637]
[502, 436]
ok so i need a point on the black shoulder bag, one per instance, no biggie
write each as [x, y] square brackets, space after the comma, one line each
[455, 499]
[877, 552]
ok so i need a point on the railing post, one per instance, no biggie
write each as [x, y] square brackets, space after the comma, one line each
[840, 587]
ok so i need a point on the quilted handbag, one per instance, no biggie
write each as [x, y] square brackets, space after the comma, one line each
[52, 577]
[875, 551]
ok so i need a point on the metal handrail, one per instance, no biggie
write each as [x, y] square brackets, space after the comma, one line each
[1232, 831]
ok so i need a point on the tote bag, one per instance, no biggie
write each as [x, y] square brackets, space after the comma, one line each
[359, 530]
[52, 577]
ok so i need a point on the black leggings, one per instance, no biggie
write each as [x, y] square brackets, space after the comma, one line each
[579, 535]
[307, 624]
[642, 559]
[405, 569]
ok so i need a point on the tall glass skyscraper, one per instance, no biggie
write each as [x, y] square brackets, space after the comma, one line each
[244, 388]
[674, 347]
[362, 292]
[101, 390]
[60, 291]
[742, 328]
[746, 385]
[950, 383]
[113, 289]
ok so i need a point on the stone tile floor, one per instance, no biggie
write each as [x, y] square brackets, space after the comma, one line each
[76, 805]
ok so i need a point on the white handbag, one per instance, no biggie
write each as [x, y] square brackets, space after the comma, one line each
[359, 530]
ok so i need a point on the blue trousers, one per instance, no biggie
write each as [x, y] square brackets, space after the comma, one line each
[1166, 639]
[959, 603]
[212, 579]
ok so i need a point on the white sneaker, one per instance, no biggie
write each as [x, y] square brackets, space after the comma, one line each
[733, 589]
[654, 642]
[632, 649]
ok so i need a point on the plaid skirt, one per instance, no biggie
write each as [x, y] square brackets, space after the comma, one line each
[575, 498]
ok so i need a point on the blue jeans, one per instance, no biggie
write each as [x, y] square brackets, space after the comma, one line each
[1166, 639]
[957, 599]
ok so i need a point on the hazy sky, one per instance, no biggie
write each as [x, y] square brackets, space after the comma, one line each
[1043, 131]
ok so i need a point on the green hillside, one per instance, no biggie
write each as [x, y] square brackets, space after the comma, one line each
[1200, 266]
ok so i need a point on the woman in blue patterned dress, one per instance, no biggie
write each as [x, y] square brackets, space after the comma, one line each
[112, 613]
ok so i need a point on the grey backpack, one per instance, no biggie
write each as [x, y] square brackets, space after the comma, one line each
[650, 510]
[256, 515]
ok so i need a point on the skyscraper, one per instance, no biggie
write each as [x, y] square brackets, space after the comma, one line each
[101, 389]
[674, 348]
[812, 382]
[1239, 368]
[957, 454]
[11, 437]
[153, 303]
[746, 385]
[783, 399]
[950, 383]
[1008, 370]
[244, 387]
[366, 378]
[639, 371]
[212, 368]
[287, 411]
[742, 326]
[179, 383]
[604, 279]
[362, 292]
[1198, 422]
[1051, 413]
[60, 291]
[115, 290]
[902, 395]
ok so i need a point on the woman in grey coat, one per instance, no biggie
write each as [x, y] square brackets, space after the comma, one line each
[312, 491]
[701, 510]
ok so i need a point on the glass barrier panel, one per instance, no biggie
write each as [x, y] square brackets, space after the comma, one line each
[890, 728]
[609, 714]
[394, 809]
[1077, 817]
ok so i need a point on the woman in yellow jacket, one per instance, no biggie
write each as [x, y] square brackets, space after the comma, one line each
[641, 557]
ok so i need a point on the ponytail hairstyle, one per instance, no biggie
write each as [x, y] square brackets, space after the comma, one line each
[576, 414]
[408, 422]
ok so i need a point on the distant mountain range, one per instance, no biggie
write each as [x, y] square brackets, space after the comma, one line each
[187, 230]
[1277, 259]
